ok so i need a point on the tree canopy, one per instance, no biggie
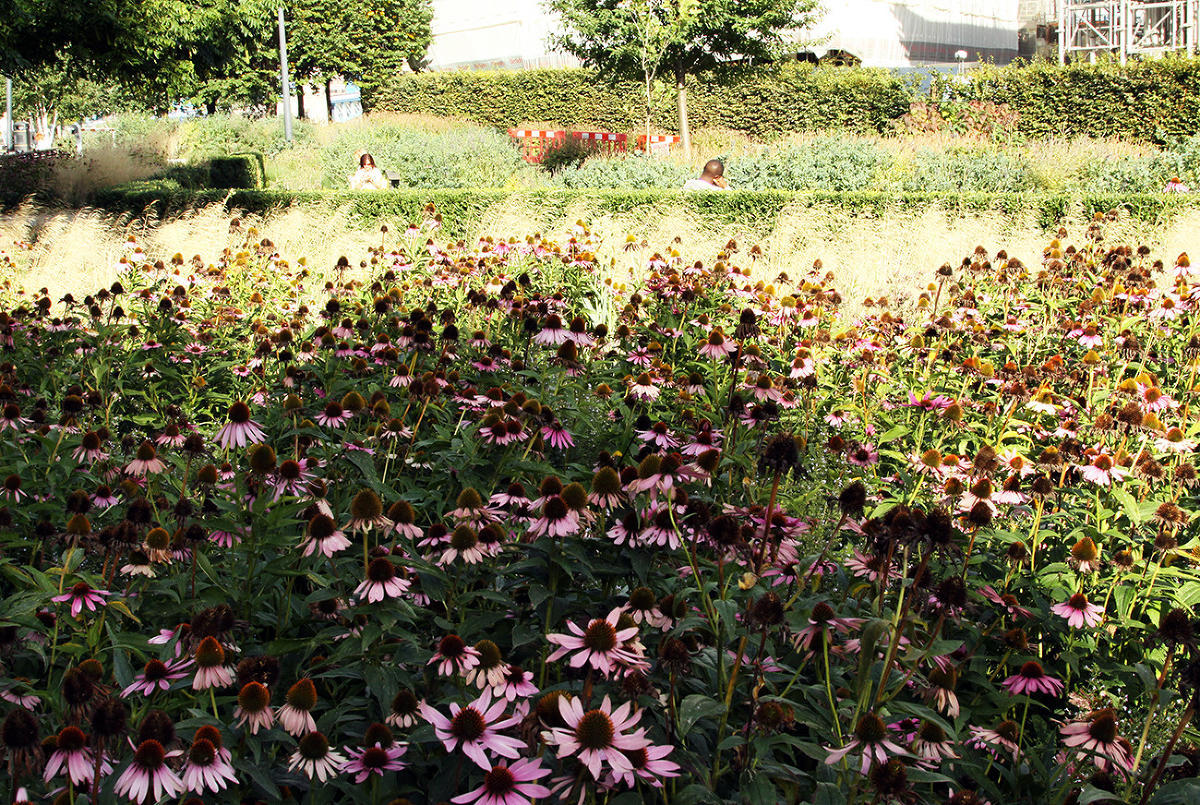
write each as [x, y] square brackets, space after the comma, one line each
[700, 35]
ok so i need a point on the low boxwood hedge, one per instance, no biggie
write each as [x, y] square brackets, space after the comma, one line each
[462, 210]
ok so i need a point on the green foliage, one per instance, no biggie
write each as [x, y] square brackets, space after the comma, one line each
[765, 103]
[1154, 99]
[464, 157]
[217, 135]
[464, 209]
[826, 163]
[630, 171]
[244, 171]
[981, 170]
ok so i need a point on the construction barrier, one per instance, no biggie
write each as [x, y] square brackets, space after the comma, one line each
[535, 142]
[602, 142]
[659, 143]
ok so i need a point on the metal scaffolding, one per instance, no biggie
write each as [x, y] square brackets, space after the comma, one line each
[1126, 28]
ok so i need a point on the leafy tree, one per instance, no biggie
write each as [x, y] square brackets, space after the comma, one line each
[680, 38]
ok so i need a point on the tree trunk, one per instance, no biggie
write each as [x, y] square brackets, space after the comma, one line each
[300, 92]
[210, 107]
[329, 99]
[684, 135]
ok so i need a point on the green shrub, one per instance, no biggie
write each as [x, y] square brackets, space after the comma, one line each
[220, 135]
[976, 170]
[630, 171]
[471, 156]
[238, 170]
[825, 163]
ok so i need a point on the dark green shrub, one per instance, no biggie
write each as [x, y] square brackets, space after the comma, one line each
[244, 171]
[825, 163]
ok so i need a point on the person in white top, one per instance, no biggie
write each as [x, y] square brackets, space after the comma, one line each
[368, 177]
[713, 177]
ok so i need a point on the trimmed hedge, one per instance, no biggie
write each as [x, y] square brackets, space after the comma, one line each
[463, 210]
[1155, 100]
[793, 97]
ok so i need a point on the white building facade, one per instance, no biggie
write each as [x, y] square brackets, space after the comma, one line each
[511, 34]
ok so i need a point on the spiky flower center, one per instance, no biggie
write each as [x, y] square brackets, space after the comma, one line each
[595, 730]
[469, 498]
[366, 505]
[314, 746]
[302, 695]
[499, 781]
[254, 697]
[931, 733]
[1031, 670]
[600, 636]
[555, 509]
[209, 653]
[451, 646]
[468, 725]
[1078, 601]
[1084, 550]
[154, 671]
[149, 754]
[381, 570]
[464, 538]
[71, 739]
[822, 613]
[489, 654]
[870, 729]
[321, 527]
[202, 753]
[642, 599]
[1103, 727]
[1008, 730]
[146, 452]
[374, 758]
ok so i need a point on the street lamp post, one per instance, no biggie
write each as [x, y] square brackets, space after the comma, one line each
[8, 121]
[283, 73]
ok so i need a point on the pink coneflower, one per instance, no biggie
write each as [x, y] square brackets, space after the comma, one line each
[10, 417]
[509, 785]
[454, 656]
[207, 765]
[296, 714]
[1097, 735]
[157, 676]
[932, 745]
[211, 670]
[148, 777]
[314, 757]
[292, 478]
[1031, 678]
[557, 436]
[659, 435]
[146, 462]
[366, 512]
[598, 736]
[601, 645]
[552, 333]
[871, 736]
[72, 757]
[171, 437]
[716, 346]
[649, 766]
[516, 682]
[104, 497]
[643, 608]
[1078, 611]
[471, 511]
[254, 707]
[1003, 737]
[322, 536]
[82, 595]
[644, 388]
[863, 455]
[475, 729]
[606, 489]
[556, 519]
[1103, 470]
[1007, 601]
[333, 415]
[378, 759]
[90, 448]
[464, 544]
[381, 582]
[12, 488]
[823, 621]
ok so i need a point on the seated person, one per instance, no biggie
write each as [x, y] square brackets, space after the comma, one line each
[713, 177]
[368, 177]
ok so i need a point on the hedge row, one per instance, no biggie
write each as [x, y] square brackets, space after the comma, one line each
[1154, 100]
[762, 103]
[463, 210]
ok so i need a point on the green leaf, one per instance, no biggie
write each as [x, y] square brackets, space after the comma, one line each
[695, 707]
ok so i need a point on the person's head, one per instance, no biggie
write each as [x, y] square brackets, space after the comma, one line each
[366, 161]
[713, 169]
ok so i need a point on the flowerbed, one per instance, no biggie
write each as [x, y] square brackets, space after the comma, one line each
[478, 522]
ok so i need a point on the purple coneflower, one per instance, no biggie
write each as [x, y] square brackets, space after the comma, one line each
[601, 645]
[872, 738]
[82, 595]
[322, 536]
[557, 436]
[1003, 737]
[404, 710]
[147, 777]
[90, 448]
[1097, 735]
[1078, 611]
[454, 656]
[254, 707]
[556, 519]
[1031, 678]
[379, 755]
[932, 745]
[211, 670]
[381, 582]
[716, 346]
[509, 785]
[516, 682]
[333, 415]
[296, 714]
[72, 757]
[598, 736]
[156, 676]
[207, 765]
[475, 728]
[366, 512]
[649, 764]
[146, 462]
[314, 757]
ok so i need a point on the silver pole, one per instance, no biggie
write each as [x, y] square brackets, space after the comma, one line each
[283, 73]
[8, 121]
